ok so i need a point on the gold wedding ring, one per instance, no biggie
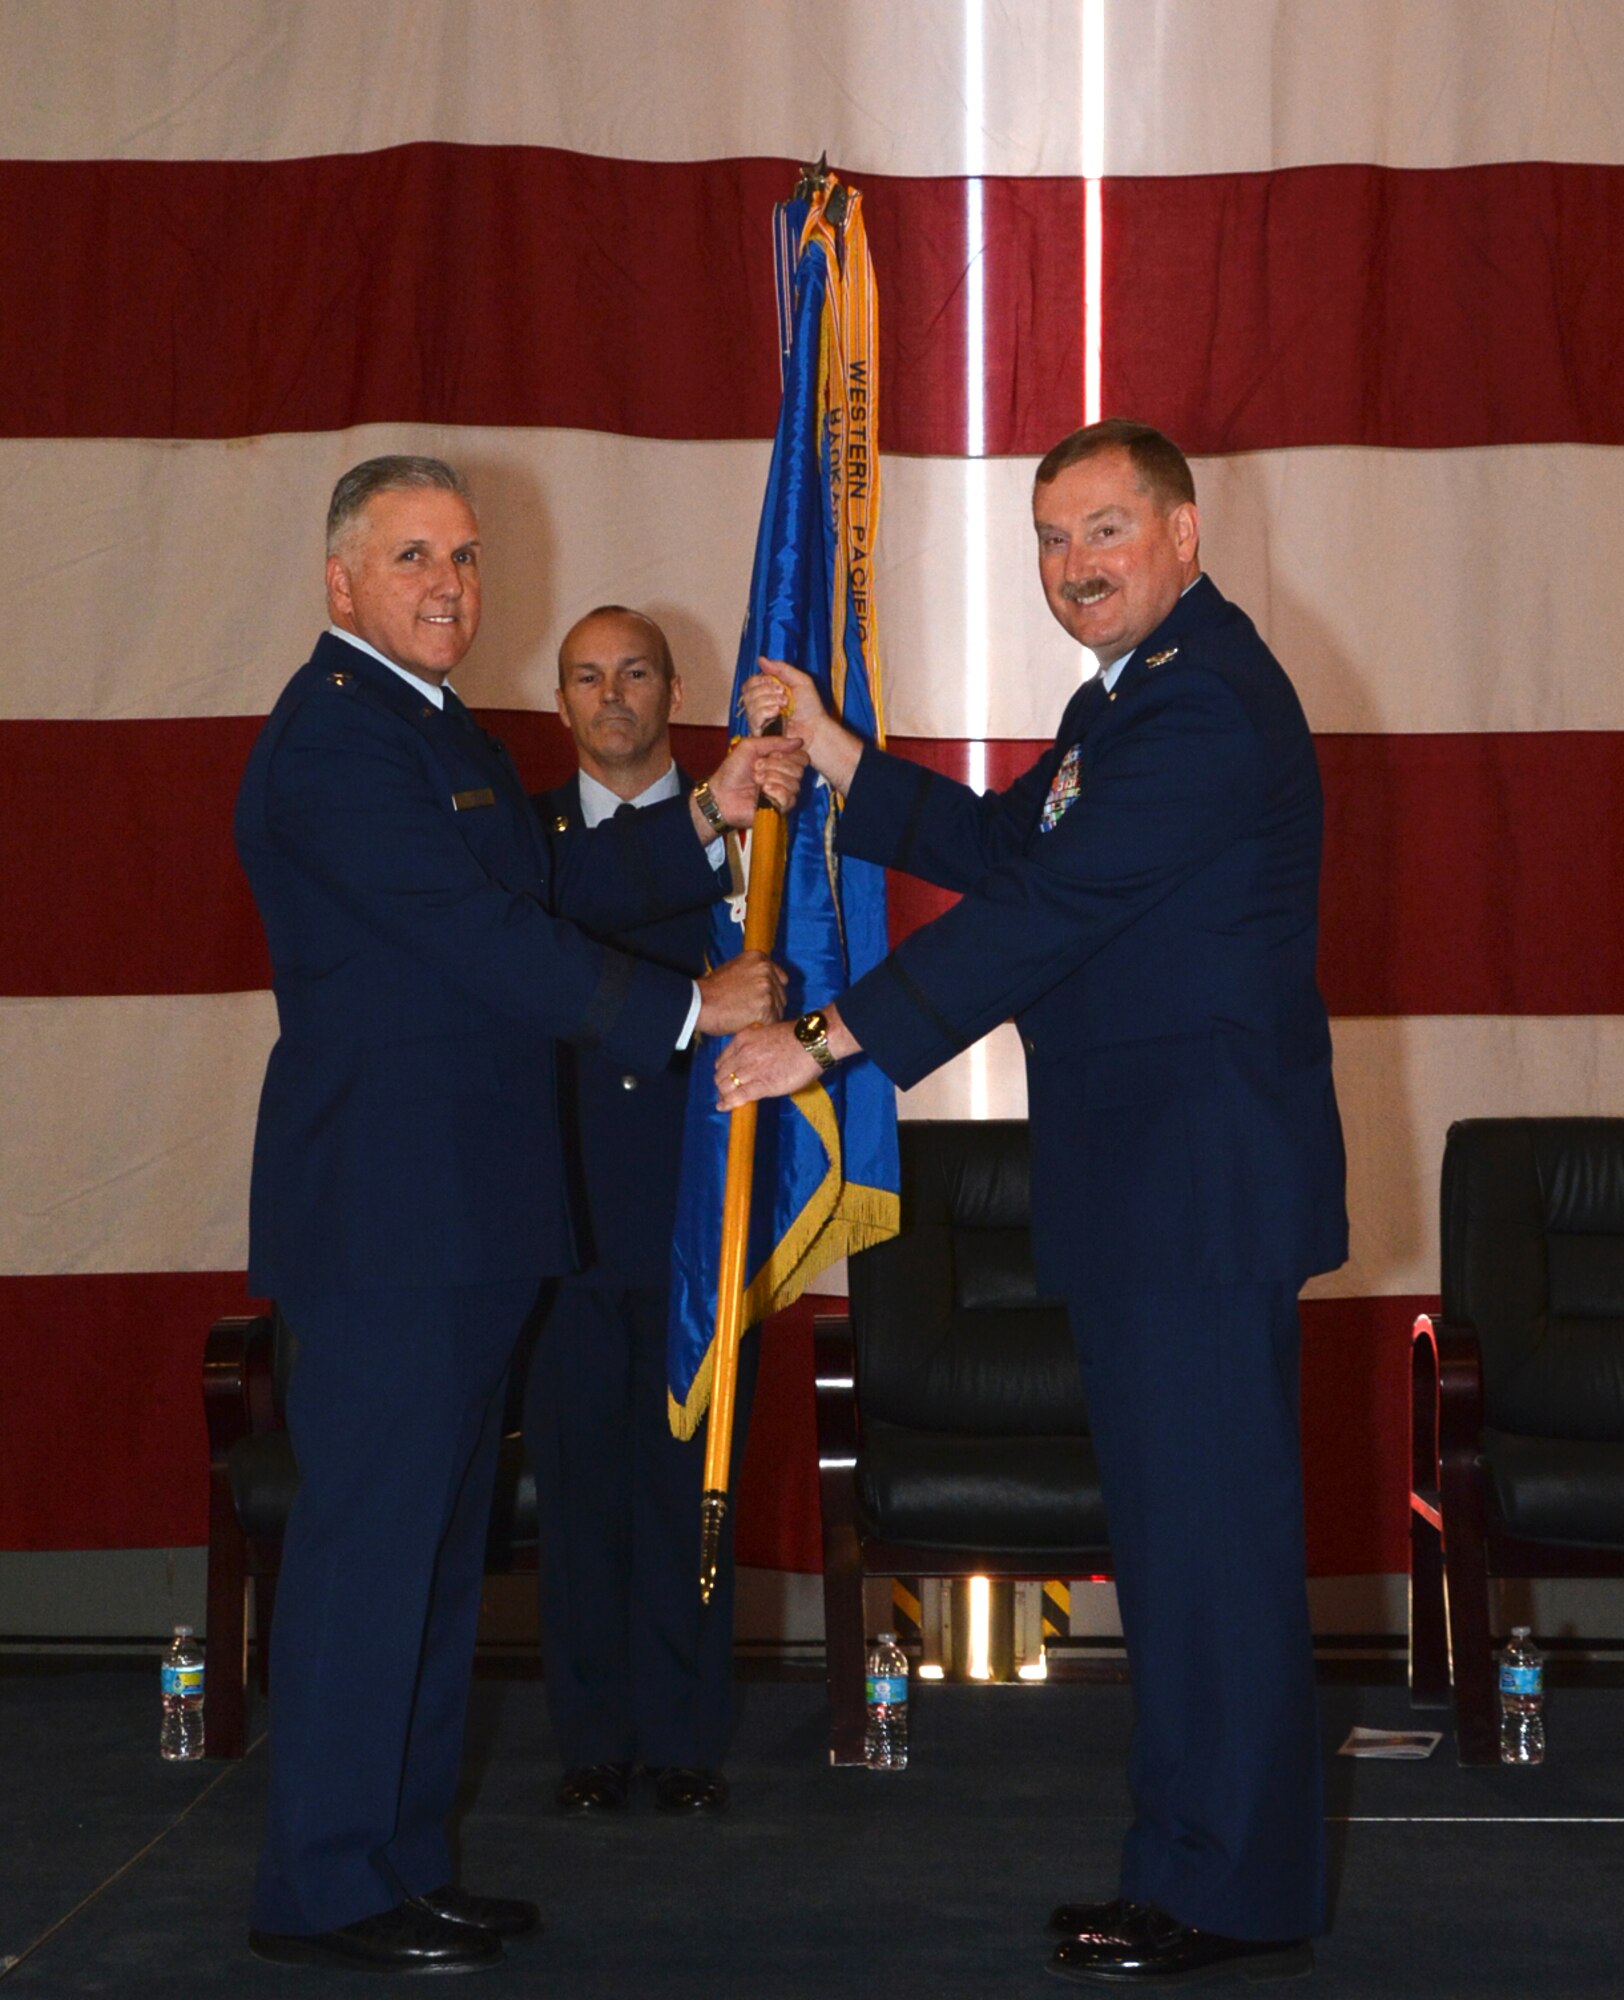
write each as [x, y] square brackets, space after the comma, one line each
[733, 1078]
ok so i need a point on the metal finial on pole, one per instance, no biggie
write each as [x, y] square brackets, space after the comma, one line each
[814, 178]
[712, 1514]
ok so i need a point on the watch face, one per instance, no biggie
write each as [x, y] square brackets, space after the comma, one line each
[810, 1026]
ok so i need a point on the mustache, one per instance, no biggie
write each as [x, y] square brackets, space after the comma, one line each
[1085, 593]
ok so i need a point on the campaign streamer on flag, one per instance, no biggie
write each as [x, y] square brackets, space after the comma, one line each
[825, 1180]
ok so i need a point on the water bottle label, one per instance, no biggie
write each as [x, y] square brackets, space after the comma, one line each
[1521, 1680]
[889, 1690]
[182, 1680]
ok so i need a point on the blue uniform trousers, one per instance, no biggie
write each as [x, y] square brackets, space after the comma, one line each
[637, 1669]
[394, 1407]
[1193, 1400]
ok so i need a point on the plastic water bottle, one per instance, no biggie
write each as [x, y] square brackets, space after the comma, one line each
[1522, 1700]
[181, 1737]
[885, 1745]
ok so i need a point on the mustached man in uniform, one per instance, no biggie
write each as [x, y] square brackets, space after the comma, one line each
[1144, 903]
[639, 1673]
[408, 1198]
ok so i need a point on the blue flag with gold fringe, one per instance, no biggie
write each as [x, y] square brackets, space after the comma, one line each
[826, 1159]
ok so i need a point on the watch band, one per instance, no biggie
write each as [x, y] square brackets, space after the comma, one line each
[812, 1032]
[705, 799]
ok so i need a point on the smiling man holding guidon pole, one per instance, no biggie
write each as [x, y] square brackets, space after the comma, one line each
[823, 1164]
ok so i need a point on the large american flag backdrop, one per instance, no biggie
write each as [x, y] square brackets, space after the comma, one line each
[1363, 258]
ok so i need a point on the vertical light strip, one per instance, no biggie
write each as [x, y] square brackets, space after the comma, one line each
[979, 1665]
[977, 639]
[980, 1080]
[1093, 134]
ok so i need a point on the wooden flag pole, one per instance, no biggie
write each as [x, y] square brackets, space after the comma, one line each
[761, 905]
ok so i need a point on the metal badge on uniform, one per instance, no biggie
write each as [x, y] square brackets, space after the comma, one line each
[339, 678]
[465, 801]
[1161, 659]
[1063, 789]
[561, 824]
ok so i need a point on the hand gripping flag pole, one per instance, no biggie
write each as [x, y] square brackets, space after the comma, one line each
[761, 907]
[810, 1178]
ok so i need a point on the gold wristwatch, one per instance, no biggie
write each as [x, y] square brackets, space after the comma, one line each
[705, 799]
[812, 1032]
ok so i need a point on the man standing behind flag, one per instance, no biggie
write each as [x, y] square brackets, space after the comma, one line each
[1144, 903]
[638, 1670]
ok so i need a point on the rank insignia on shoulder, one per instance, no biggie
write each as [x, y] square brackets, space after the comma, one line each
[561, 824]
[1161, 659]
[465, 801]
[340, 679]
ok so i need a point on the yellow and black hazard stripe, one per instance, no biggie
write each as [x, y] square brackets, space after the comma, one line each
[907, 1612]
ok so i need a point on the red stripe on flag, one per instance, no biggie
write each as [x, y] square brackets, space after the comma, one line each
[502, 285]
[1356, 1433]
[117, 870]
[1367, 305]
[102, 1441]
[1463, 874]
[526, 286]
[1473, 874]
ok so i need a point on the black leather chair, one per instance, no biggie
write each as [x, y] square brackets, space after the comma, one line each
[1518, 1394]
[952, 1432]
[252, 1480]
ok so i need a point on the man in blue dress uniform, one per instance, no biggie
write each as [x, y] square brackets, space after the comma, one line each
[408, 1201]
[639, 1671]
[1143, 902]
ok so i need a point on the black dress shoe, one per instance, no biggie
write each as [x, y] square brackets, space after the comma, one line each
[506, 1916]
[688, 1788]
[410, 1939]
[1158, 1950]
[592, 1788]
[1100, 1923]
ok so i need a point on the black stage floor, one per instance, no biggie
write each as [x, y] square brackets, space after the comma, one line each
[128, 1877]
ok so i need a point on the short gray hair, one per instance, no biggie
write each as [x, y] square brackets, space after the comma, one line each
[392, 473]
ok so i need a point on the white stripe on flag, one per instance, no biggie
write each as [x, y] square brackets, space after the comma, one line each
[1190, 87]
[1405, 592]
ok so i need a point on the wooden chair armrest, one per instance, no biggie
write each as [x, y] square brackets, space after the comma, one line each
[1446, 1398]
[237, 1398]
[1424, 1407]
[1460, 1393]
[834, 1371]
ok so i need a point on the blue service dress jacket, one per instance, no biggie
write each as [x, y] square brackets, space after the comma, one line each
[425, 957]
[638, 1671]
[1144, 903]
[624, 1130]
